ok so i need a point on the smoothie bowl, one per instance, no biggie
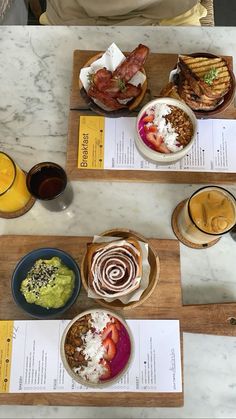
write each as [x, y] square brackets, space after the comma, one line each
[97, 348]
[46, 282]
[166, 129]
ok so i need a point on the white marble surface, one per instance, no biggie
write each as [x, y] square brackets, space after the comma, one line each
[35, 78]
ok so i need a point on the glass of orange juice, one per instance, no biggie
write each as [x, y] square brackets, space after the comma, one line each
[14, 194]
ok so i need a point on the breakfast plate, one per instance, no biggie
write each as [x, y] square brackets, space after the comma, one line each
[204, 81]
[113, 84]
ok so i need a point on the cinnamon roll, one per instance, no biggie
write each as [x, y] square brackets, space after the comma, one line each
[114, 268]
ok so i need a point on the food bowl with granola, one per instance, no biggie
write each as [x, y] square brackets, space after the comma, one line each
[97, 348]
[166, 129]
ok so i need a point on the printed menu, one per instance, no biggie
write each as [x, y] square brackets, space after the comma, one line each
[30, 359]
[108, 143]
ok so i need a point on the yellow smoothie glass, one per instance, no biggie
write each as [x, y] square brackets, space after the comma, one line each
[14, 194]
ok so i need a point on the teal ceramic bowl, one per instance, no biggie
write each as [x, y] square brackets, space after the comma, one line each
[20, 273]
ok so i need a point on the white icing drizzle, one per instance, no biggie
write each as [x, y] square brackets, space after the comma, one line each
[115, 269]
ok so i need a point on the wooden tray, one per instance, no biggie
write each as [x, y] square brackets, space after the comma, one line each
[157, 67]
[75, 173]
[164, 303]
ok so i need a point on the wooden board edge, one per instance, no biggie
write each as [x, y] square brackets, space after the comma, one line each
[74, 173]
[77, 399]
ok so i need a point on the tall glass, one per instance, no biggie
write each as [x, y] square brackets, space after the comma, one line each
[208, 214]
[14, 194]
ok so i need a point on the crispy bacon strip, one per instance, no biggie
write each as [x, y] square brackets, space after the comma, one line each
[113, 88]
[102, 78]
[103, 97]
[107, 87]
[135, 60]
[129, 92]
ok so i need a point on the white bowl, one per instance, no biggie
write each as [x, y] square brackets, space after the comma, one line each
[155, 156]
[75, 376]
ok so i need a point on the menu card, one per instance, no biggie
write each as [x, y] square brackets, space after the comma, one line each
[30, 359]
[108, 143]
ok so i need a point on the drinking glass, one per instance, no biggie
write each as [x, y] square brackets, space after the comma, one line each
[47, 181]
[208, 214]
[14, 194]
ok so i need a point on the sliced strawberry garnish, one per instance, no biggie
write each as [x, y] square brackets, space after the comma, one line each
[148, 118]
[163, 149]
[150, 128]
[117, 324]
[111, 330]
[110, 347]
[107, 372]
[155, 139]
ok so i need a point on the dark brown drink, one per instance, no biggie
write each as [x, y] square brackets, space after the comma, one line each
[47, 182]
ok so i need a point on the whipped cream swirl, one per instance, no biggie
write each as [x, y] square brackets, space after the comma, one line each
[116, 269]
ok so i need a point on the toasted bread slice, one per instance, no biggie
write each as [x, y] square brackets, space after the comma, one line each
[206, 76]
[170, 90]
[195, 102]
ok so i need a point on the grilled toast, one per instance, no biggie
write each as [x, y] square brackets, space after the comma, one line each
[206, 76]
[195, 102]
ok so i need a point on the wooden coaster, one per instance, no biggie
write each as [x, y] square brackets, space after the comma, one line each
[18, 213]
[178, 234]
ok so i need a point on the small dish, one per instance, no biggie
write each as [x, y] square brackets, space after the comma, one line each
[23, 267]
[161, 157]
[133, 104]
[106, 337]
[227, 98]
[154, 263]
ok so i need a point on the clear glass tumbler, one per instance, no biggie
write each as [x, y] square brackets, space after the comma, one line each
[14, 194]
[208, 214]
[47, 181]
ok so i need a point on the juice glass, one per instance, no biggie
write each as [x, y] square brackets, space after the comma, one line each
[14, 194]
[208, 214]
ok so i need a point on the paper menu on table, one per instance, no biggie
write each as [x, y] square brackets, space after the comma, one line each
[108, 143]
[30, 359]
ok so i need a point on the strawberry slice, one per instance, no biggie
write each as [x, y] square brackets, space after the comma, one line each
[111, 329]
[163, 149]
[117, 324]
[148, 118]
[155, 139]
[110, 347]
[107, 372]
[150, 128]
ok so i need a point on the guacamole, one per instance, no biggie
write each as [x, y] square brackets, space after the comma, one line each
[49, 283]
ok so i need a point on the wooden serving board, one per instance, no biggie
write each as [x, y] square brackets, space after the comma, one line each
[76, 173]
[157, 67]
[164, 303]
[13, 248]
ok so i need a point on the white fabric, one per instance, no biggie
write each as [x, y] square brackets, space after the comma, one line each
[13, 12]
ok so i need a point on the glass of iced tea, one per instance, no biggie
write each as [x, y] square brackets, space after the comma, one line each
[208, 214]
[14, 195]
[47, 181]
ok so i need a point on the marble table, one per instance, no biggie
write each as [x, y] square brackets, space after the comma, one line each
[35, 79]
